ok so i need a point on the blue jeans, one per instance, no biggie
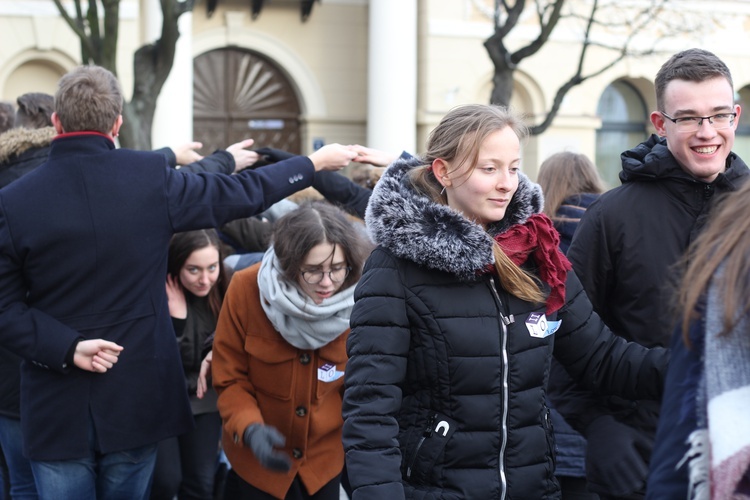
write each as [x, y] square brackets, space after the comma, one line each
[20, 477]
[119, 475]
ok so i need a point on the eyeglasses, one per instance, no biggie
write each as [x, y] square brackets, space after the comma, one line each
[336, 275]
[694, 123]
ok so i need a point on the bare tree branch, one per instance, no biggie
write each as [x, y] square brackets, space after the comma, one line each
[77, 25]
[615, 26]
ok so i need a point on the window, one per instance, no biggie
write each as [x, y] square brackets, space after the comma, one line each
[624, 116]
[742, 136]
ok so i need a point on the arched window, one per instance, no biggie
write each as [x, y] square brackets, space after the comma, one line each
[623, 113]
[742, 136]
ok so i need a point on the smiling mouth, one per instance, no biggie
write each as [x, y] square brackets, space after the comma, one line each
[707, 150]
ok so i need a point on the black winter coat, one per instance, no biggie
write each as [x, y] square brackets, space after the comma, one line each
[21, 151]
[628, 241]
[625, 249]
[90, 218]
[445, 386]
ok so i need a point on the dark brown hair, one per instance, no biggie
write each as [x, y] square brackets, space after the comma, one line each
[182, 245]
[692, 65]
[88, 98]
[6, 116]
[34, 110]
[313, 223]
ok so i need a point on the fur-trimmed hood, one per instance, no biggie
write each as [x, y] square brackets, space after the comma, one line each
[413, 227]
[17, 141]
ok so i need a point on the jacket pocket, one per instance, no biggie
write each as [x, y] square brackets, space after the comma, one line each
[329, 374]
[271, 366]
[422, 457]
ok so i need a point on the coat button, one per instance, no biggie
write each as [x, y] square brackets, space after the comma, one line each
[304, 358]
[301, 411]
[297, 453]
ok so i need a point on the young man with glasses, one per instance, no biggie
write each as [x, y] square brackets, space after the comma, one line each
[628, 241]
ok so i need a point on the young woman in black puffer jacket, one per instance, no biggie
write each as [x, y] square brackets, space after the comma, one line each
[457, 316]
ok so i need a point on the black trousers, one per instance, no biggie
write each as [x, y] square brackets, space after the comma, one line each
[186, 464]
[238, 489]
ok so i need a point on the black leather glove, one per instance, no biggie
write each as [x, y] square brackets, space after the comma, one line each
[617, 457]
[262, 439]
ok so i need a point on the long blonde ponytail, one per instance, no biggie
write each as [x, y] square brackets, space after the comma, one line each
[515, 280]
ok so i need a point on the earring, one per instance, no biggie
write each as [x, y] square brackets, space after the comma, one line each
[443, 191]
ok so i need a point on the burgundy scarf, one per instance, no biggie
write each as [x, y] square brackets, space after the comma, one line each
[538, 237]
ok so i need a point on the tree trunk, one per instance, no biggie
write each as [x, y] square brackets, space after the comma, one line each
[502, 79]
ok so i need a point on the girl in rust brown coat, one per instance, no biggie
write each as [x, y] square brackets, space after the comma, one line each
[279, 357]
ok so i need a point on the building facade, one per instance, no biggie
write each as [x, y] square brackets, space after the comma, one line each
[375, 72]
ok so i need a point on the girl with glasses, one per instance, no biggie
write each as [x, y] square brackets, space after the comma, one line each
[279, 357]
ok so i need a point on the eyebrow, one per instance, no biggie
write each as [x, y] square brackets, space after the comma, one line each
[496, 160]
[692, 112]
[320, 266]
[201, 267]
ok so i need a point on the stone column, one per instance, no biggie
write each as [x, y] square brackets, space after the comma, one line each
[392, 75]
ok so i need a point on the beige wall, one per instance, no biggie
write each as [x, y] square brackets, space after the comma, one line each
[326, 59]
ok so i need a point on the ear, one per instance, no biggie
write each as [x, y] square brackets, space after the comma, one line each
[659, 122]
[116, 128]
[440, 169]
[738, 110]
[56, 123]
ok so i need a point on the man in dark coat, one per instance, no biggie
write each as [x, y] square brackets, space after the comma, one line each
[83, 255]
[628, 241]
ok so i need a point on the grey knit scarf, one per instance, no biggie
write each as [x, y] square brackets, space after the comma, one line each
[302, 322]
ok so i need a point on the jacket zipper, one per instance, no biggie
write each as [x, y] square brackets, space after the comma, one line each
[426, 434]
[504, 322]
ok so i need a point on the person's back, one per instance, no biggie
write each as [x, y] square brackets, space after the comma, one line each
[83, 245]
[629, 239]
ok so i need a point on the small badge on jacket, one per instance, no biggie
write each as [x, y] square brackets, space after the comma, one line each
[328, 373]
[539, 327]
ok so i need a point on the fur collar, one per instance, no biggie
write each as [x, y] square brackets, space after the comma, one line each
[413, 227]
[17, 141]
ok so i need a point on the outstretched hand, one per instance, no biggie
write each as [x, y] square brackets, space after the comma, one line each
[243, 158]
[186, 154]
[332, 157]
[203, 375]
[96, 355]
[372, 156]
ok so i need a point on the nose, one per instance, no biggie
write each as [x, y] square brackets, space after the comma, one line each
[326, 278]
[203, 278]
[503, 181]
[706, 129]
